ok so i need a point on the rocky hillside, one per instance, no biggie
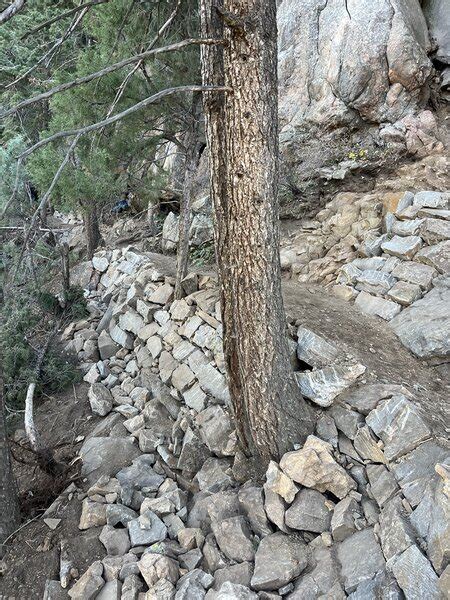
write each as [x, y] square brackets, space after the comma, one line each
[359, 510]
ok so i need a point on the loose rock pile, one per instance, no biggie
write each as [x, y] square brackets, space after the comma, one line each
[393, 266]
[360, 510]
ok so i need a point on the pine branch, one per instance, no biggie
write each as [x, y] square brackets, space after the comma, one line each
[106, 70]
[63, 15]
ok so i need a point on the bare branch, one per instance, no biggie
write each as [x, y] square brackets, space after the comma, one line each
[63, 15]
[146, 102]
[109, 69]
[11, 10]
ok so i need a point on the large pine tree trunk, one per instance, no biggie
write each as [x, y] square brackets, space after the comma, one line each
[242, 136]
[192, 144]
[9, 508]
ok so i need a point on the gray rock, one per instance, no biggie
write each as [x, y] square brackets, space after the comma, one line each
[193, 585]
[379, 307]
[146, 530]
[398, 423]
[217, 431]
[375, 282]
[435, 230]
[403, 247]
[405, 293]
[93, 514]
[195, 398]
[319, 582]
[116, 541]
[121, 337]
[365, 398]
[234, 538]
[416, 469]
[431, 519]
[100, 399]
[215, 475]
[314, 467]
[415, 575]
[326, 429]
[279, 560]
[366, 446]
[251, 500]
[310, 511]
[280, 483]
[431, 199]
[382, 483]
[193, 452]
[314, 350]
[54, 591]
[140, 474]
[322, 386]
[106, 456]
[154, 567]
[360, 557]
[106, 347]
[112, 590]
[423, 327]
[396, 534]
[382, 587]
[232, 591]
[343, 521]
[437, 256]
[89, 584]
[118, 514]
[240, 574]
[132, 585]
[348, 421]
[162, 295]
[415, 273]
[407, 227]
[131, 321]
[213, 383]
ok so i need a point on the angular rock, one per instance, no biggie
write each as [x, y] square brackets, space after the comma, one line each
[106, 347]
[213, 383]
[348, 421]
[415, 273]
[415, 575]
[121, 337]
[382, 483]
[131, 321]
[112, 590]
[310, 511]
[437, 256]
[116, 541]
[343, 521]
[360, 557]
[365, 398]
[217, 431]
[100, 399]
[234, 538]
[430, 199]
[375, 282]
[403, 247]
[319, 582]
[193, 452]
[146, 530]
[407, 227]
[240, 574]
[154, 567]
[93, 514]
[195, 398]
[371, 305]
[214, 475]
[280, 483]
[396, 534]
[140, 474]
[106, 456]
[435, 230]
[182, 377]
[314, 467]
[251, 501]
[118, 514]
[415, 471]
[405, 293]
[279, 560]
[322, 386]
[314, 350]
[423, 327]
[367, 447]
[399, 424]
[232, 591]
[383, 586]
[89, 584]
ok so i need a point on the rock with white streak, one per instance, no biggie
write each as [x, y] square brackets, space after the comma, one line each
[314, 350]
[322, 386]
[403, 247]
[100, 399]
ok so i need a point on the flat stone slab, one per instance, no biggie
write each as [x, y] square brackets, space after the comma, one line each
[310, 511]
[361, 558]
[415, 575]
[379, 307]
[414, 272]
[405, 293]
[435, 230]
[375, 282]
[403, 247]
[437, 256]
[314, 350]
[423, 327]
[431, 199]
[322, 386]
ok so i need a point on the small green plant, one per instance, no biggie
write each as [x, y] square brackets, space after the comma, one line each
[358, 154]
[202, 255]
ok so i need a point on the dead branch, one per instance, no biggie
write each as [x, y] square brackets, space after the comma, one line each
[144, 103]
[44, 200]
[63, 15]
[11, 10]
[106, 70]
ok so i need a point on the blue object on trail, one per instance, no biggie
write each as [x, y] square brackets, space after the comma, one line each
[120, 207]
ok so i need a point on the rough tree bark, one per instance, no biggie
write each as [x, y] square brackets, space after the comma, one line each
[9, 506]
[91, 229]
[242, 136]
[193, 146]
